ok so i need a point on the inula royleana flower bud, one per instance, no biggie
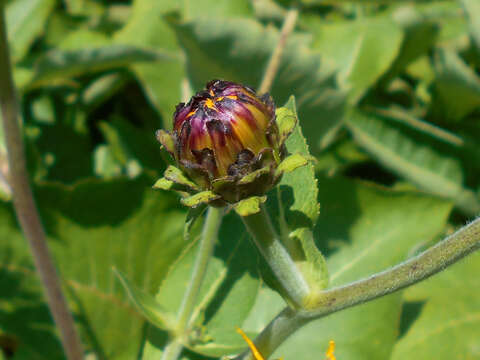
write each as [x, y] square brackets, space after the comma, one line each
[225, 140]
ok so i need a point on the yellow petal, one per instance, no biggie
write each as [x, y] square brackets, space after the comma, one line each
[251, 345]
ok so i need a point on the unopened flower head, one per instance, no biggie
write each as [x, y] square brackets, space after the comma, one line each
[221, 125]
[224, 133]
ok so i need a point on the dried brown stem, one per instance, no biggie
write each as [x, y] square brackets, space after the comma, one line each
[25, 207]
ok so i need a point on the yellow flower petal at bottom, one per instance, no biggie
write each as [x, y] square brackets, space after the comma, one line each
[258, 356]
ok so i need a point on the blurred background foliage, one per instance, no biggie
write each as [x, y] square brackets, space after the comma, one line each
[388, 98]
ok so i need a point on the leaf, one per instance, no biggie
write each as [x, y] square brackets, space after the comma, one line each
[428, 164]
[286, 122]
[82, 39]
[57, 65]
[360, 50]
[26, 20]
[314, 266]
[299, 188]
[131, 143]
[192, 216]
[362, 230]
[26, 328]
[457, 87]
[226, 296]
[147, 305]
[84, 7]
[164, 83]
[295, 208]
[449, 322]
[92, 227]
[106, 165]
[292, 163]
[160, 81]
[472, 9]
[57, 140]
[420, 36]
[216, 9]
[238, 50]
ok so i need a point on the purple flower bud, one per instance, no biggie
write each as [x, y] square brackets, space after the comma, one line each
[223, 133]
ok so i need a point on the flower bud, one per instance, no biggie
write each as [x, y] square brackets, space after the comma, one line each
[223, 134]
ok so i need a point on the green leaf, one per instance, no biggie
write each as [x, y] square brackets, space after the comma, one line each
[312, 265]
[26, 328]
[359, 50]
[102, 89]
[59, 65]
[448, 326]
[54, 143]
[428, 164]
[192, 216]
[26, 20]
[84, 7]
[200, 198]
[292, 163]
[227, 294]
[299, 188]
[420, 36]
[132, 144]
[472, 9]
[364, 229]
[249, 206]
[92, 227]
[106, 165]
[162, 82]
[457, 87]
[216, 9]
[286, 122]
[147, 305]
[239, 49]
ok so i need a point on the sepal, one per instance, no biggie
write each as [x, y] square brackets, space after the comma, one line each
[204, 197]
[166, 139]
[249, 206]
[177, 176]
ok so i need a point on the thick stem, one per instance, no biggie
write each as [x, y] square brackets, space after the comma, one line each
[274, 62]
[25, 207]
[270, 245]
[173, 349]
[445, 253]
[205, 249]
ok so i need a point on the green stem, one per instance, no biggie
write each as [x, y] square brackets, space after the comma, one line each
[445, 253]
[274, 62]
[207, 243]
[25, 206]
[173, 349]
[270, 245]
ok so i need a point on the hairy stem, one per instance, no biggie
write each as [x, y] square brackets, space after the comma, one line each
[274, 62]
[25, 207]
[270, 245]
[205, 249]
[445, 253]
